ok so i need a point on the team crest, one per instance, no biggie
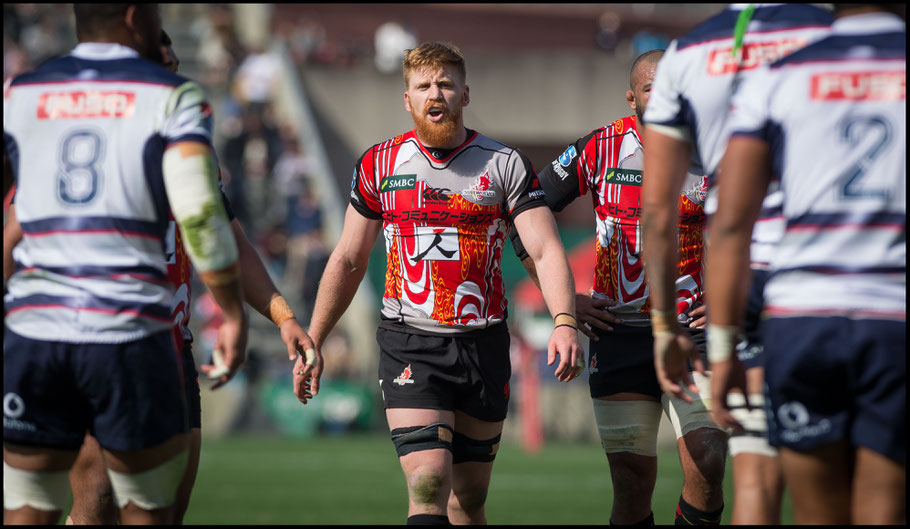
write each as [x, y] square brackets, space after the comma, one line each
[481, 189]
[618, 126]
[397, 139]
[404, 377]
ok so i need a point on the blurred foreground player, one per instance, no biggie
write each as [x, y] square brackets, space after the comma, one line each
[835, 301]
[445, 198]
[93, 502]
[687, 114]
[112, 140]
[628, 401]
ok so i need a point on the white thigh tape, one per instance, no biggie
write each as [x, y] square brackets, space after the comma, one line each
[155, 488]
[44, 491]
[754, 438]
[628, 426]
[690, 416]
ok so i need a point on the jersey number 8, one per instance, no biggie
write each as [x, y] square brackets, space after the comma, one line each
[80, 175]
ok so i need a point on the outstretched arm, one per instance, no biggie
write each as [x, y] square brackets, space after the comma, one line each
[340, 280]
[541, 239]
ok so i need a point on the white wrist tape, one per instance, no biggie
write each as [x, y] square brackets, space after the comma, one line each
[195, 198]
[221, 368]
[722, 340]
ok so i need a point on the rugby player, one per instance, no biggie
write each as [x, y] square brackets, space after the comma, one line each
[835, 299]
[445, 197]
[686, 115]
[93, 501]
[627, 398]
[112, 140]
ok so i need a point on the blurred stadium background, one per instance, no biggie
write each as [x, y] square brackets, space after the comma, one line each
[299, 92]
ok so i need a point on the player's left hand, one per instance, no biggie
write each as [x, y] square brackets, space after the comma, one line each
[699, 317]
[726, 375]
[671, 350]
[306, 376]
[564, 342]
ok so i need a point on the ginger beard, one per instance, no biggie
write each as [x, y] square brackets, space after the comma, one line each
[440, 133]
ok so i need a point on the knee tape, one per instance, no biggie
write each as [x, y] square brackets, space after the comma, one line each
[465, 449]
[44, 491]
[417, 438]
[628, 426]
[690, 416]
[155, 488]
[754, 437]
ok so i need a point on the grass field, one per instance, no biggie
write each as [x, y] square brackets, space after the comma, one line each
[357, 480]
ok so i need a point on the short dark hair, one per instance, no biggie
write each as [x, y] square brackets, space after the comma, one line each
[93, 19]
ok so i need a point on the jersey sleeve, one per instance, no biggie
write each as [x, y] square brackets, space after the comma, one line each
[364, 195]
[187, 115]
[667, 109]
[521, 186]
[569, 176]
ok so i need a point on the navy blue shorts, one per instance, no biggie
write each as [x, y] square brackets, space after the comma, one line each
[622, 361]
[749, 351]
[191, 386]
[837, 378]
[128, 396]
[467, 374]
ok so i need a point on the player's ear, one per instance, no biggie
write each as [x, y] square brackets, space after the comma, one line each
[630, 98]
[407, 101]
[129, 18]
[467, 95]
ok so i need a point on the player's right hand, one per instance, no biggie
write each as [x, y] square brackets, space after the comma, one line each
[306, 374]
[726, 375]
[591, 311]
[671, 350]
[564, 342]
[232, 339]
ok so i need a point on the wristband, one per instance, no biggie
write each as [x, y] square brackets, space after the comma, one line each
[279, 311]
[721, 342]
[663, 321]
[564, 318]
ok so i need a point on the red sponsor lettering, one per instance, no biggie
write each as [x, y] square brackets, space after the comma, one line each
[755, 54]
[860, 86]
[86, 104]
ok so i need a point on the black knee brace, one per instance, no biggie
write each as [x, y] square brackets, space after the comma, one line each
[465, 449]
[417, 438]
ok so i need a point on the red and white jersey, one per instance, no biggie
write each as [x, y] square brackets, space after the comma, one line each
[834, 116]
[445, 218]
[690, 96]
[609, 162]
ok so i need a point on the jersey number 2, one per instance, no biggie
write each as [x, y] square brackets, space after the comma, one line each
[80, 175]
[853, 131]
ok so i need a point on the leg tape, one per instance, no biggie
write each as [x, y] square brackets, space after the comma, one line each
[417, 438]
[155, 488]
[754, 437]
[465, 449]
[44, 491]
[690, 416]
[628, 425]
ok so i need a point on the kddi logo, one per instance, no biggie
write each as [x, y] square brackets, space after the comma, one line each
[397, 183]
[629, 177]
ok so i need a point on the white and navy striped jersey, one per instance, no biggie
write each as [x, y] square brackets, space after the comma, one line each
[85, 134]
[834, 116]
[695, 79]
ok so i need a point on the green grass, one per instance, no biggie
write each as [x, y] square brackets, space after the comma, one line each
[357, 480]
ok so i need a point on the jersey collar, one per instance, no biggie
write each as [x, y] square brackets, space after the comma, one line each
[103, 51]
[868, 23]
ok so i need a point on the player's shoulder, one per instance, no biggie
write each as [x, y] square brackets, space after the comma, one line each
[875, 46]
[71, 69]
[765, 18]
[614, 129]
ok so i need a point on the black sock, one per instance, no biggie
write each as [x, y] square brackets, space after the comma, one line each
[689, 515]
[647, 521]
[428, 519]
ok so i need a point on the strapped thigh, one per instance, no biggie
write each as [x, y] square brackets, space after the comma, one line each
[465, 449]
[417, 438]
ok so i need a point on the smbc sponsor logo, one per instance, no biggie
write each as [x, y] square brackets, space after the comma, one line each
[397, 183]
[628, 177]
